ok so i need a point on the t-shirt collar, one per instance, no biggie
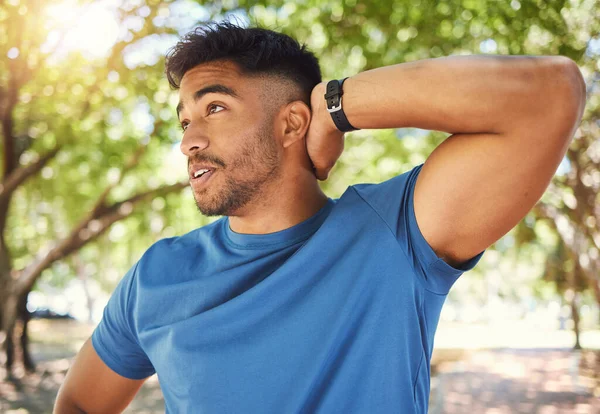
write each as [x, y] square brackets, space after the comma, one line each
[289, 236]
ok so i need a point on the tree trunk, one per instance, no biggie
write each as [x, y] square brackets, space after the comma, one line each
[573, 277]
[9, 319]
[575, 316]
[24, 316]
[82, 275]
[14, 310]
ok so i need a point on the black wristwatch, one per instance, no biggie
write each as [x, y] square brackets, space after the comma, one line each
[333, 97]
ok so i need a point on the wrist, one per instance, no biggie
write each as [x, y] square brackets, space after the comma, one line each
[319, 108]
[334, 98]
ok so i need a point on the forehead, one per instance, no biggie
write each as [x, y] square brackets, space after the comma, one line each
[212, 70]
[216, 73]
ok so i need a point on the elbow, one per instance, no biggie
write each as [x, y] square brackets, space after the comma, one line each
[565, 93]
[574, 91]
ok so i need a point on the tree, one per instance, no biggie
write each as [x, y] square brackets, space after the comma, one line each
[35, 86]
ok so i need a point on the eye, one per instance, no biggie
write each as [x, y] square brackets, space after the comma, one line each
[213, 108]
[184, 125]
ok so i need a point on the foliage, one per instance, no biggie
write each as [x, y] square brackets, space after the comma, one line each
[102, 109]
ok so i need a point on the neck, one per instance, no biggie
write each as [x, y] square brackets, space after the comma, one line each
[281, 206]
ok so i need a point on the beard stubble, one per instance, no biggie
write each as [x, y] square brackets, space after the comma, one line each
[246, 176]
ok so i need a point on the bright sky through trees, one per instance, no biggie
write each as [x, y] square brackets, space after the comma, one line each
[91, 29]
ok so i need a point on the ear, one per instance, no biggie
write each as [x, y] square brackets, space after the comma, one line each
[296, 119]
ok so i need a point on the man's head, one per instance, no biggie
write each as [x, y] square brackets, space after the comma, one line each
[244, 108]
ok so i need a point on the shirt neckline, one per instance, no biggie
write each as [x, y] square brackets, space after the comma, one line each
[282, 238]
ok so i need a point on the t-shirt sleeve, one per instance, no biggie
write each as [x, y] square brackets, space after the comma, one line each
[393, 201]
[115, 339]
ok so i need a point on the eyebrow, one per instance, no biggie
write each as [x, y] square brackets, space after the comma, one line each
[216, 88]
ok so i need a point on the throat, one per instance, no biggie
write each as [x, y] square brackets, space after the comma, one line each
[272, 218]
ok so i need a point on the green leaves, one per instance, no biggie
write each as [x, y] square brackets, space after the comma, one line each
[103, 109]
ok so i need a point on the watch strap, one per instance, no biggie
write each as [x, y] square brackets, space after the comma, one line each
[333, 98]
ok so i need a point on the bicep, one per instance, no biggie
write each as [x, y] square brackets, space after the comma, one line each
[474, 188]
[92, 386]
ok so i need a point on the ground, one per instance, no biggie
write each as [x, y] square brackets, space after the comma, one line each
[508, 381]
[489, 381]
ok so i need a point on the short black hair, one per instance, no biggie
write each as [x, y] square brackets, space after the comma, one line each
[255, 50]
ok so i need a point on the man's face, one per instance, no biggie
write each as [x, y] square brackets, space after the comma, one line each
[228, 137]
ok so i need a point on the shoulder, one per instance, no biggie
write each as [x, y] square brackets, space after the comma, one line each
[402, 181]
[391, 199]
[181, 247]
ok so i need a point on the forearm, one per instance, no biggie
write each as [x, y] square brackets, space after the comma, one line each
[463, 94]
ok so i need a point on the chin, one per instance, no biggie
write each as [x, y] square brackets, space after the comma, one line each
[209, 209]
[229, 199]
[218, 206]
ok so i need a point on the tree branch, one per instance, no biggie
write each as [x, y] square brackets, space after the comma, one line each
[85, 232]
[21, 174]
[100, 202]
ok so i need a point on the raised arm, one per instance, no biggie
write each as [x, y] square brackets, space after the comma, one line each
[511, 119]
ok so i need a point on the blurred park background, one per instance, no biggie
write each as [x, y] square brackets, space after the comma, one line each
[92, 176]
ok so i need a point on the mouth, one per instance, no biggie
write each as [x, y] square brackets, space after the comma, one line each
[199, 176]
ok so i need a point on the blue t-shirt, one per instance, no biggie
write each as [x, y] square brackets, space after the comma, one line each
[334, 315]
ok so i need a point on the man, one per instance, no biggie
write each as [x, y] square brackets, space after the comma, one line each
[297, 303]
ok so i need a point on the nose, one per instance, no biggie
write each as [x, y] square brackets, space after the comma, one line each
[193, 141]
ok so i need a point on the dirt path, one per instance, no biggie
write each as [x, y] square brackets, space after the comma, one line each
[515, 381]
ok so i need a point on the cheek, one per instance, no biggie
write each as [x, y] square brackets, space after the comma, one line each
[254, 152]
[244, 142]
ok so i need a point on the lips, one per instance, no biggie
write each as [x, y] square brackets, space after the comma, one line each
[197, 171]
[200, 174]
[200, 182]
